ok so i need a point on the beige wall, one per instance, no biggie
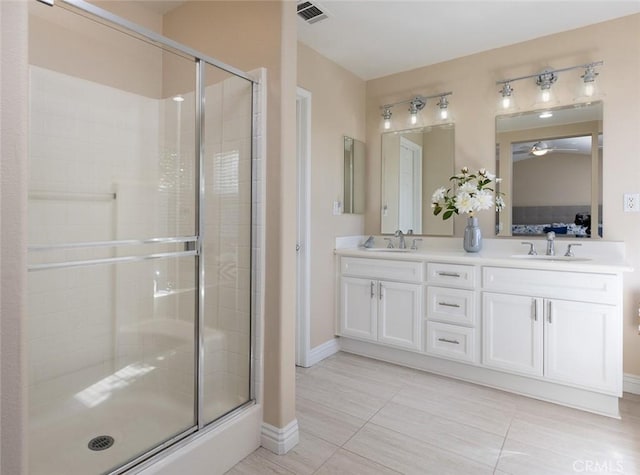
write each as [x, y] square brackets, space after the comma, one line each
[474, 103]
[13, 231]
[553, 179]
[250, 35]
[337, 109]
[436, 172]
[79, 47]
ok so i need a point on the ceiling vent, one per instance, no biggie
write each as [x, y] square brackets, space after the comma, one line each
[311, 12]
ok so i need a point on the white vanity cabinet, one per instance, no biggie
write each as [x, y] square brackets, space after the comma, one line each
[582, 344]
[373, 307]
[548, 329]
[512, 333]
[450, 315]
[550, 325]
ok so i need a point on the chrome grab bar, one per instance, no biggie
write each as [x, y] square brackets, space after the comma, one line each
[116, 243]
[109, 260]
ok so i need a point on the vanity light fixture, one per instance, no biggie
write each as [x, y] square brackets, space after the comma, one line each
[386, 115]
[443, 104]
[506, 92]
[416, 104]
[547, 78]
[589, 80]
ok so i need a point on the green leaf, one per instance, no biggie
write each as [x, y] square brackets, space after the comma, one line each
[447, 215]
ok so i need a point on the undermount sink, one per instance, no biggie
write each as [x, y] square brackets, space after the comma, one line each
[386, 249]
[544, 257]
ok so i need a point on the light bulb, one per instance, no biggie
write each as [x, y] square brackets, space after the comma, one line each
[178, 98]
[589, 89]
[589, 79]
[545, 80]
[506, 92]
[443, 104]
[546, 95]
[386, 115]
[414, 106]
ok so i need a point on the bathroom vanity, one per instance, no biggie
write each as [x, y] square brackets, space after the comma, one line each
[546, 327]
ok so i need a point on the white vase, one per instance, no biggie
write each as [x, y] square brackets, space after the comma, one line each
[472, 241]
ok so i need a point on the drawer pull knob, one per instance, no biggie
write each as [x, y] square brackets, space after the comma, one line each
[445, 304]
[455, 342]
[449, 274]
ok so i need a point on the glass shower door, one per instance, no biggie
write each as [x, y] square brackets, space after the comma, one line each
[227, 246]
[113, 267]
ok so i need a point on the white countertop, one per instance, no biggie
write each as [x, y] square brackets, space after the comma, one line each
[603, 257]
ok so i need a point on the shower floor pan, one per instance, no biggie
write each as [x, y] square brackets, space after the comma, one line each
[134, 405]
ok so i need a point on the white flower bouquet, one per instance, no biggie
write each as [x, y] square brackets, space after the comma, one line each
[469, 193]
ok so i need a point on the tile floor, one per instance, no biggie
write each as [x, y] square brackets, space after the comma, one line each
[361, 416]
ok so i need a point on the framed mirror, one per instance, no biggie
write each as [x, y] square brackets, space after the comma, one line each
[354, 184]
[550, 163]
[415, 163]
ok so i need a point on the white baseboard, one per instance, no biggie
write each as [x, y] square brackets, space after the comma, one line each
[279, 440]
[323, 351]
[631, 384]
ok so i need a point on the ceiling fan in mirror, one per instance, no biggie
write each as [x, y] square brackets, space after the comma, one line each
[540, 148]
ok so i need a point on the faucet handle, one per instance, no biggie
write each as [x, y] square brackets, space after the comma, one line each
[414, 246]
[569, 252]
[390, 245]
[532, 249]
[369, 242]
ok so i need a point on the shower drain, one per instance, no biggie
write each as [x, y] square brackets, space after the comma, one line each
[102, 442]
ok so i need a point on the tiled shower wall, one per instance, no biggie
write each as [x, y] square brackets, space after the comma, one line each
[96, 141]
[86, 141]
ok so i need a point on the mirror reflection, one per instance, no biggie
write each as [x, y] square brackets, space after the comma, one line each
[551, 167]
[414, 163]
[353, 176]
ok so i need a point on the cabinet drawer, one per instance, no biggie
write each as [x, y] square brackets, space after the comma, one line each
[451, 275]
[585, 287]
[451, 341]
[451, 305]
[382, 269]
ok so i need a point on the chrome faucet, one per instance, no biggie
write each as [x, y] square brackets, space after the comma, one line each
[401, 243]
[369, 242]
[551, 250]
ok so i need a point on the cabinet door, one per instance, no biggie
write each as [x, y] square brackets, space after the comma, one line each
[512, 333]
[583, 344]
[399, 314]
[358, 308]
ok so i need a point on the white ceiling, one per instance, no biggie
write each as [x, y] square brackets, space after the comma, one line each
[375, 38]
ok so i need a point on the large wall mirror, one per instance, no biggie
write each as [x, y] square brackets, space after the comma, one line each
[415, 163]
[551, 167]
[354, 176]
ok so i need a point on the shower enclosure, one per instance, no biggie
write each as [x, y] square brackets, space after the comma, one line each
[140, 241]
